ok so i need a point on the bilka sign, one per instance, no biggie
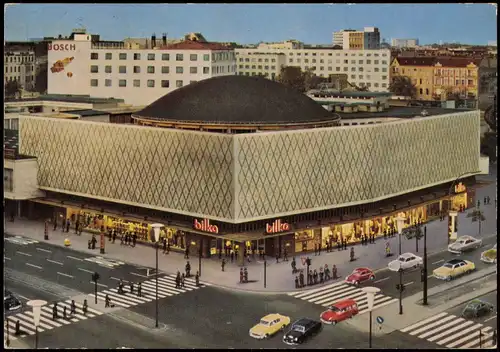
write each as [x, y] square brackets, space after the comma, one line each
[61, 47]
[277, 226]
[460, 188]
[204, 225]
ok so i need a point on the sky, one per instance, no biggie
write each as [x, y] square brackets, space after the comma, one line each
[252, 23]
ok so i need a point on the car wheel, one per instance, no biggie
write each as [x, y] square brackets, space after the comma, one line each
[448, 278]
[266, 336]
[356, 283]
[334, 322]
[372, 277]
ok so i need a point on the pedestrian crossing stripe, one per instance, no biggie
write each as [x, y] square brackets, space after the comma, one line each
[331, 293]
[109, 263]
[27, 323]
[20, 240]
[451, 331]
[166, 288]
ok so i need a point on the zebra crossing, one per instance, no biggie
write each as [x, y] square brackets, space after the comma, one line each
[450, 331]
[338, 291]
[166, 288]
[23, 241]
[27, 323]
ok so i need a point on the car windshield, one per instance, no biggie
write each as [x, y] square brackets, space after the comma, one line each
[334, 309]
[402, 259]
[298, 328]
[264, 322]
[356, 271]
[448, 265]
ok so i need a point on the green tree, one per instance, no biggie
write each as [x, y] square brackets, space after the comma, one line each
[403, 86]
[488, 146]
[12, 88]
[291, 76]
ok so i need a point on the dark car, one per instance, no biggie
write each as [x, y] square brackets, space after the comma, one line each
[477, 308]
[11, 302]
[301, 330]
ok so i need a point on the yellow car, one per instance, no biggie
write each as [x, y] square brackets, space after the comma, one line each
[269, 325]
[453, 268]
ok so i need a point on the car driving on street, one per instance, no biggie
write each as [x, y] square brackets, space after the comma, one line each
[269, 325]
[302, 330]
[477, 308]
[360, 275]
[11, 302]
[490, 255]
[464, 243]
[341, 310]
[453, 268]
[405, 261]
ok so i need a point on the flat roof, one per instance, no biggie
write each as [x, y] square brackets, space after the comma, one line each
[400, 112]
[86, 112]
[68, 98]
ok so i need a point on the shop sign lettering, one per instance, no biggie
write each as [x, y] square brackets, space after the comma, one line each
[204, 225]
[62, 47]
[460, 188]
[277, 226]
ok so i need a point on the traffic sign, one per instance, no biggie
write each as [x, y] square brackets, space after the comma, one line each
[380, 320]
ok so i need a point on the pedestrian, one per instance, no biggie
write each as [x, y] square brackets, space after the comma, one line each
[73, 307]
[321, 275]
[55, 224]
[77, 226]
[223, 263]
[327, 273]
[385, 234]
[232, 255]
[241, 275]
[110, 234]
[178, 280]
[64, 312]
[107, 301]
[334, 272]
[94, 240]
[120, 287]
[121, 238]
[315, 276]
[18, 331]
[484, 201]
[134, 239]
[186, 253]
[311, 277]
[68, 223]
[285, 255]
[488, 199]
[294, 266]
[248, 257]
[345, 244]
[164, 246]
[319, 248]
[327, 245]
[168, 245]
[315, 249]
[131, 287]
[338, 245]
[54, 312]
[197, 279]
[301, 279]
[183, 278]
[245, 275]
[85, 306]
[139, 289]
[90, 244]
[352, 254]
[277, 257]
[188, 269]
[126, 238]
[296, 282]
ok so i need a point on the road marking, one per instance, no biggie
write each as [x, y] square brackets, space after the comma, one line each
[385, 278]
[114, 278]
[33, 265]
[439, 261]
[147, 277]
[67, 275]
[408, 283]
[98, 284]
[490, 318]
[26, 298]
[26, 254]
[6, 258]
[43, 250]
[75, 258]
[87, 271]
[429, 276]
[53, 261]
[420, 323]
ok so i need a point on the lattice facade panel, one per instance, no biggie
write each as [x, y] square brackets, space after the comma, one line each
[187, 172]
[283, 173]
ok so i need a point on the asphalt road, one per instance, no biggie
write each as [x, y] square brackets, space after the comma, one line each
[386, 280]
[490, 319]
[67, 267]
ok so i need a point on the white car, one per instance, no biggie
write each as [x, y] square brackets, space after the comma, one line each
[464, 243]
[405, 261]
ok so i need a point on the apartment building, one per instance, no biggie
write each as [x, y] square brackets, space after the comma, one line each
[20, 66]
[368, 38]
[267, 64]
[368, 68]
[421, 72]
[404, 43]
[138, 76]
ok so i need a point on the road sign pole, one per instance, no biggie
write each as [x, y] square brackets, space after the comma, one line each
[370, 339]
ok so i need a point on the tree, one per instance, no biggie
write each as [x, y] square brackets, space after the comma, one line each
[291, 76]
[12, 88]
[414, 231]
[489, 146]
[402, 85]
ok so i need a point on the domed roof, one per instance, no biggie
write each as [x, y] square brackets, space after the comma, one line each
[236, 100]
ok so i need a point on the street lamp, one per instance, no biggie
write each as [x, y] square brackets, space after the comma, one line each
[370, 298]
[400, 220]
[156, 230]
[37, 305]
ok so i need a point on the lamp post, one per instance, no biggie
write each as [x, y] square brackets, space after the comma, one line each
[400, 223]
[424, 273]
[156, 230]
[370, 298]
[37, 305]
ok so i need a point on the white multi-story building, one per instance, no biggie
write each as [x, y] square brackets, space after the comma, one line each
[368, 68]
[138, 76]
[285, 45]
[404, 43]
[258, 63]
[20, 66]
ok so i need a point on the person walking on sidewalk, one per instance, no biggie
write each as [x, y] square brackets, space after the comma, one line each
[121, 239]
[164, 245]
[338, 245]
[178, 280]
[232, 255]
[73, 307]
[55, 224]
[107, 301]
[319, 248]
[77, 225]
[85, 307]
[245, 275]
[186, 253]
[131, 287]
[345, 244]
[352, 254]
[301, 278]
[277, 257]
[188, 269]
[296, 282]
[114, 235]
[223, 263]
[54, 311]
[294, 266]
[241, 275]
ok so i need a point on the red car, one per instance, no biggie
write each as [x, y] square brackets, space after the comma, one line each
[359, 276]
[342, 310]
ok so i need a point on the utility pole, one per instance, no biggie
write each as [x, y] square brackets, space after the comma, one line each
[265, 273]
[199, 257]
[424, 270]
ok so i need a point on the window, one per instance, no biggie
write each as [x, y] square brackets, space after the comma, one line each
[94, 56]
[109, 56]
[360, 76]
[298, 61]
[107, 82]
[260, 60]
[420, 82]
[179, 57]
[165, 69]
[375, 62]
[384, 62]
[151, 57]
[165, 83]
[330, 68]
[290, 60]
[206, 57]
[426, 91]
[137, 56]
[313, 61]
[321, 61]
[179, 69]
[122, 69]
[151, 83]
[321, 68]
[273, 67]
[337, 69]
[375, 85]
[253, 67]
[305, 54]
[193, 57]
[353, 76]
[368, 62]
[151, 69]
[306, 61]
[122, 56]
[259, 67]
[360, 62]
[93, 82]
[346, 69]
[137, 82]
[384, 69]
[353, 62]
[375, 69]
[206, 70]
[346, 61]
[421, 91]
[165, 57]
[353, 69]
[193, 70]
[178, 84]
[247, 60]
[8, 179]
[94, 69]
[137, 69]
[122, 83]
[107, 69]
[384, 77]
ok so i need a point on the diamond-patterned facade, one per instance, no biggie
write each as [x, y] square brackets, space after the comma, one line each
[240, 178]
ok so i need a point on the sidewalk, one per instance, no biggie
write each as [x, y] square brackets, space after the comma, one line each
[279, 276]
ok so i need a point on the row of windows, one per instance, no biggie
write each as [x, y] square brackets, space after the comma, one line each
[266, 74]
[150, 83]
[258, 67]
[254, 60]
[18, 68]
[353, 62]
[367, 77]
[167, 56]
[345, 54]
[439, 71]
[151, 69]
[338, 69]
[19, 59]
[18, 78]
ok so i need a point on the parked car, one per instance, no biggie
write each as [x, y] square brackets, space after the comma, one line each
[464, 243]
[302, 330]
[360, 275]
[490, 255]
[269, 325]
[341, 310]
[405, 261]
[477, 308]
[453, 268]
[11, 302]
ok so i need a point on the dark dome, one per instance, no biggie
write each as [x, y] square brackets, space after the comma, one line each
[236, 100]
